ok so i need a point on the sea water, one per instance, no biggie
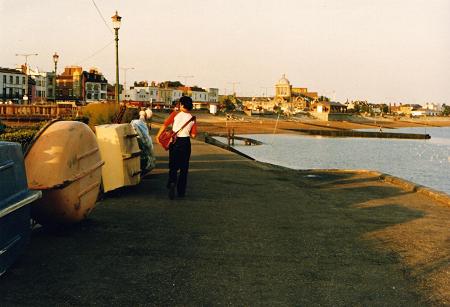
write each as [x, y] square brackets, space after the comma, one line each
[425, 162]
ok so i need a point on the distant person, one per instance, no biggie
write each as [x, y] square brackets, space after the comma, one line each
[180, 150]
[148, 113]
[176, 105]
[148, 117]
[142, 114]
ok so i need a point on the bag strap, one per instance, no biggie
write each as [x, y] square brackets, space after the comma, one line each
[185, 124]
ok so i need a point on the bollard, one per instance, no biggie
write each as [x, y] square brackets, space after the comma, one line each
[232, 137]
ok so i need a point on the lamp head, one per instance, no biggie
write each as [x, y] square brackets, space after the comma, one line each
[116, 21]
[55, 57]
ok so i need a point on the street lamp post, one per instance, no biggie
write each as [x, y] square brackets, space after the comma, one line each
[55, 60]
[116, 25]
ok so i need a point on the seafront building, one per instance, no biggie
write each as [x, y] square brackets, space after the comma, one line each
[69, 84]
[12, 85]
[284, 91]
[73, 84]
[141, 92]
[41, 79]
[77, 85]
[416, 110]
[95, 86]
[163, 94]
[288, 99]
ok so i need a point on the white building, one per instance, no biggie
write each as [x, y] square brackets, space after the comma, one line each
[423, 112]
[198, 96]
[41, 80]
[176, 94]
[96, 86]
[137, 94]
[153, 93]
[12, 85]
[437, 108]
[142, 93]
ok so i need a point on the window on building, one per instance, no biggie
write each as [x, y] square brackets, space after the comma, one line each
[4, 79]
[11, 79]
[17, 79]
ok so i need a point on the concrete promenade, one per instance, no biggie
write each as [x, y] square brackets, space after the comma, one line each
[246, 233]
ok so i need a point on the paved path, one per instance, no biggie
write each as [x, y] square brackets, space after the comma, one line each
[246, 234]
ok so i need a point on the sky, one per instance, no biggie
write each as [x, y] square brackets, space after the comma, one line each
[380, 51]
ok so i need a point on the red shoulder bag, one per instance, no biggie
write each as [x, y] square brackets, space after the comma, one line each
[168, 137]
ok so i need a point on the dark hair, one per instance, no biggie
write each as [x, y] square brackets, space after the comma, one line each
[186, 102]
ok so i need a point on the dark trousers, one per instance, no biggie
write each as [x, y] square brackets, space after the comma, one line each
[179, 155]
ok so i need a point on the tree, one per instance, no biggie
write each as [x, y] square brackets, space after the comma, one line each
[229, 105]
[445, 110]
[171, 84]
[196, 88]
[140, 83]
[175, 84]
[277, 109]
[2, 127]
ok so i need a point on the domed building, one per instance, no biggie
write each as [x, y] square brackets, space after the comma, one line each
[292, 99]
[283, 88]
[287, 99]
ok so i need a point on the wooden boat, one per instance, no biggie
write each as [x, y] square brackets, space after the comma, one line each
[64, 162]
[119, 149]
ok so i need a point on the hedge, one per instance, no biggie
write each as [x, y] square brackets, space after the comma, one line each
[24, 137]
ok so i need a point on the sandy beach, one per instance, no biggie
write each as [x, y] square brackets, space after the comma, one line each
[243, 124]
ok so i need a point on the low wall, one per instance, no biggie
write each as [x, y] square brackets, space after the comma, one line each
[364, 134]
[331, 116]
[44, 112]
[209, 139]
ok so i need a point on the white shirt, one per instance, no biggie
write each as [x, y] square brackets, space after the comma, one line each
[180, 119]
[148, 113]
[142, 115]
